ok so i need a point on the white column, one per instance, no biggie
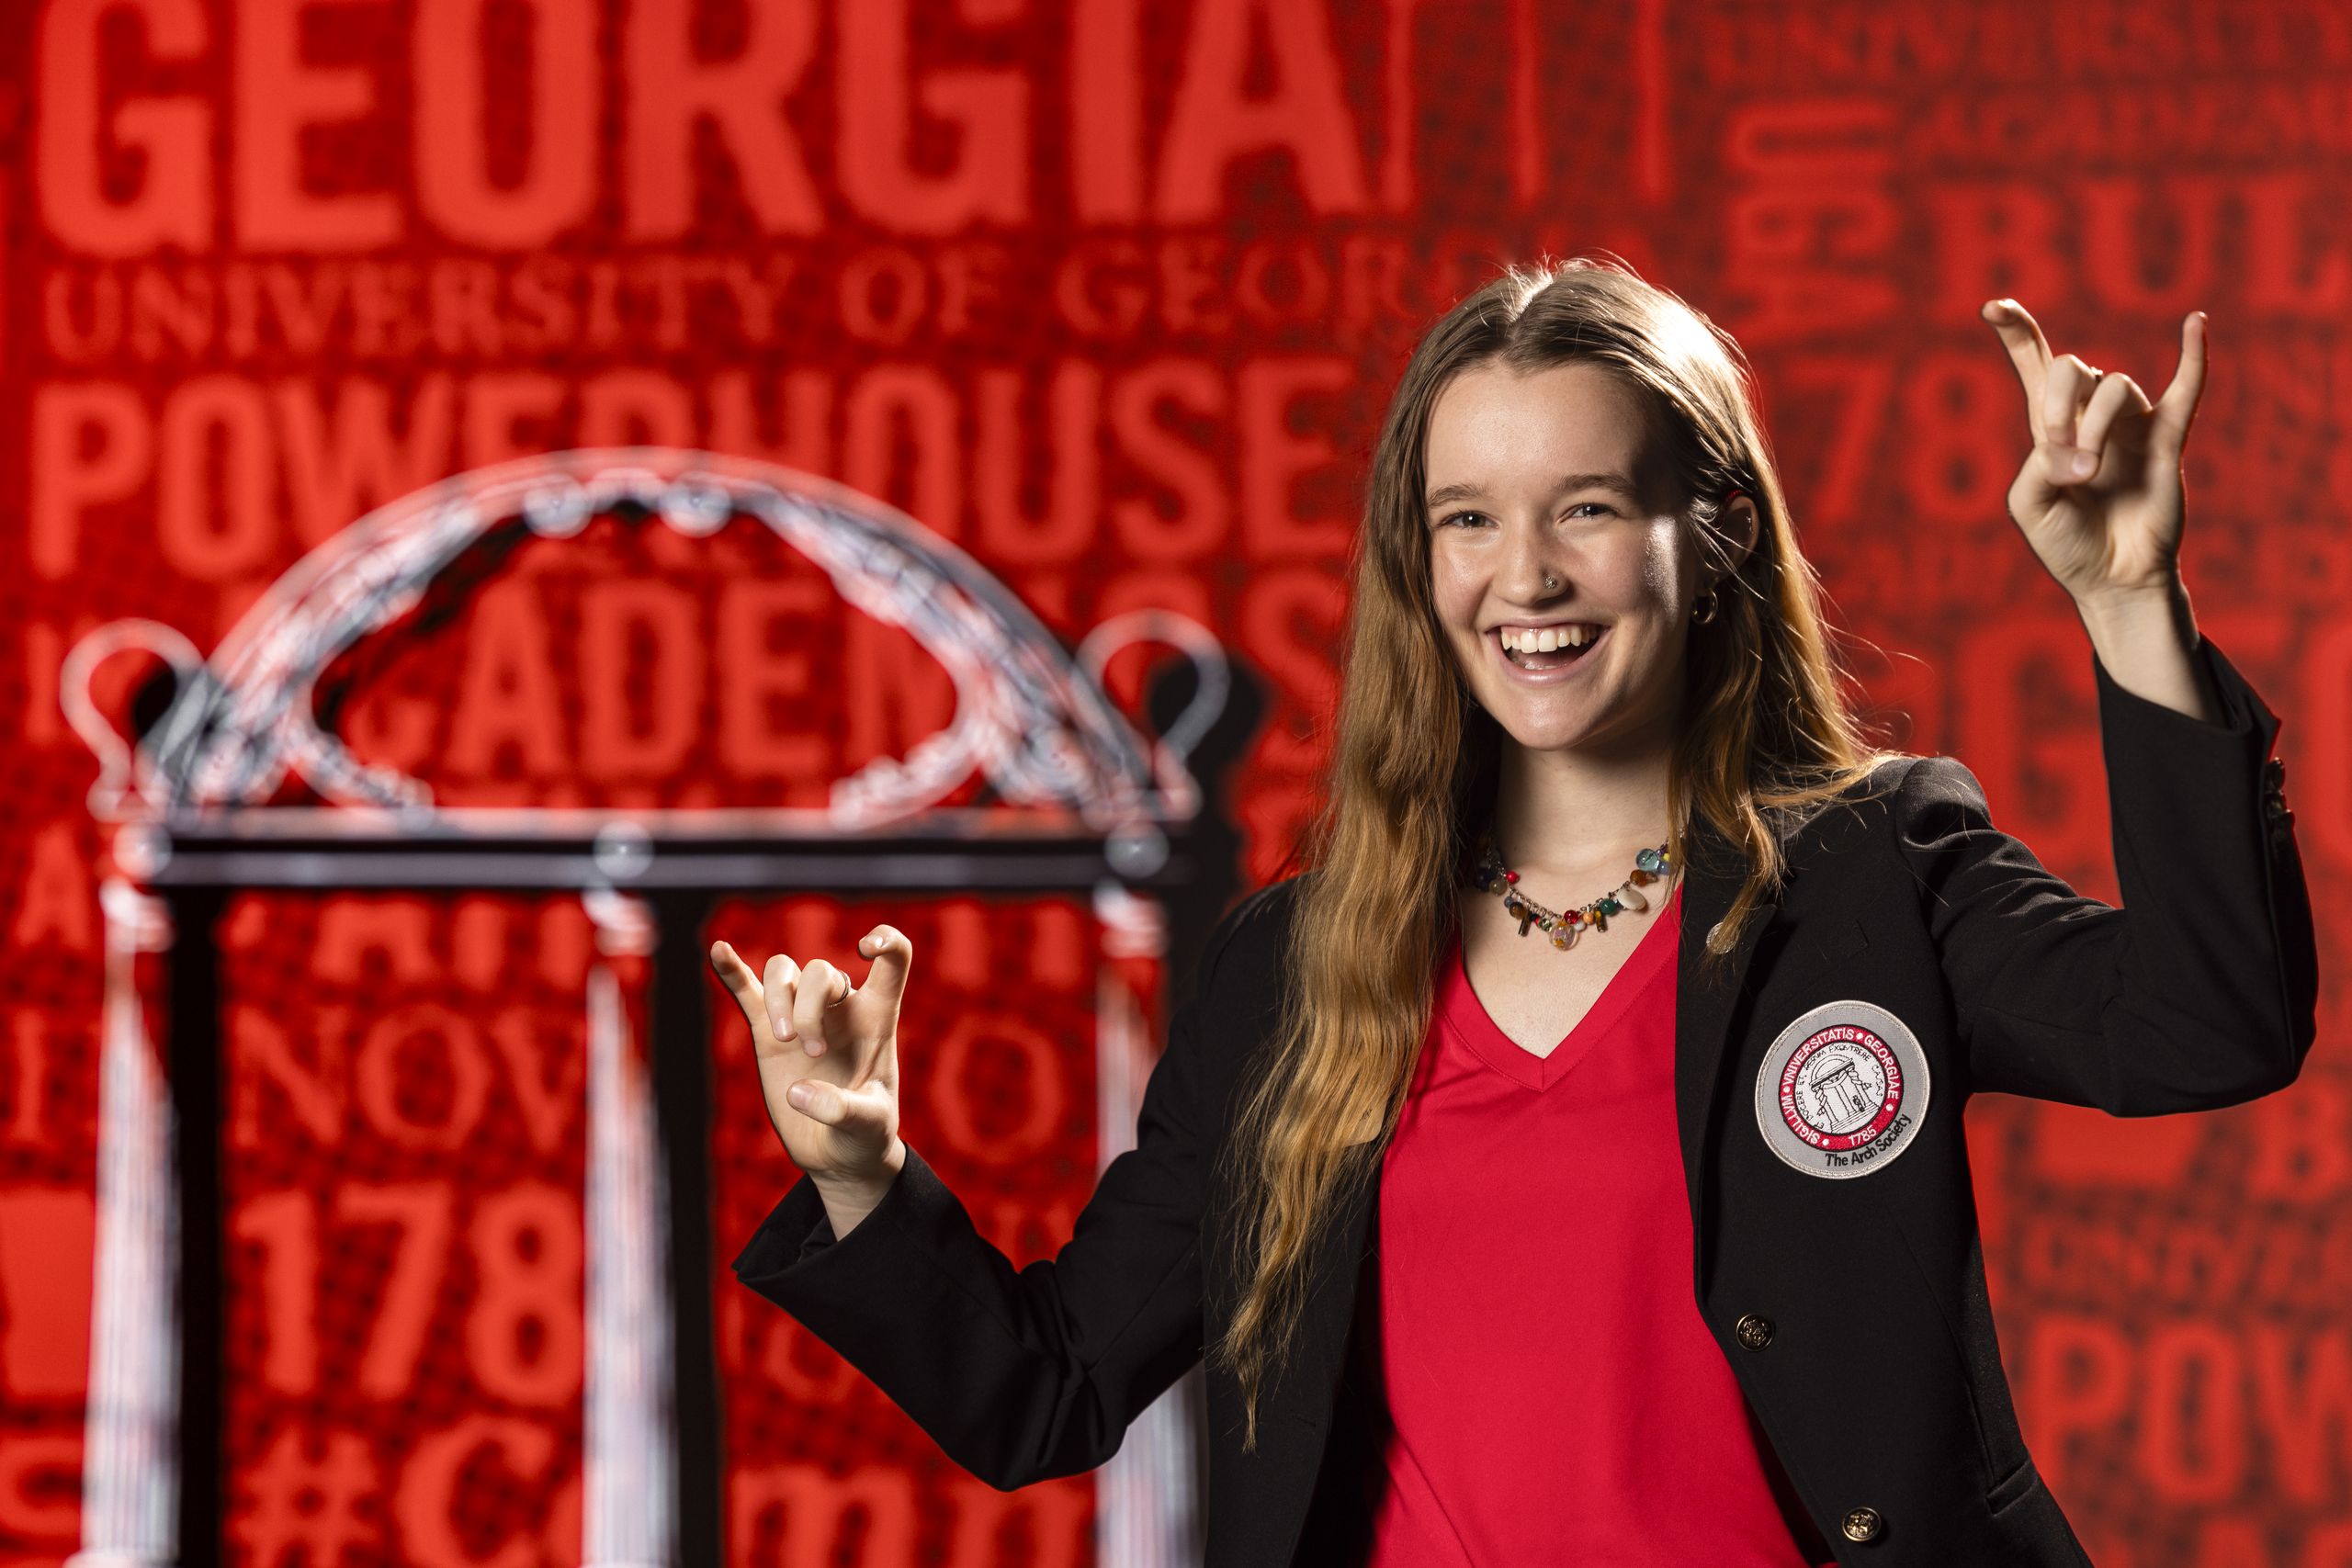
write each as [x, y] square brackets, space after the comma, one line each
[629, 1493]
[130, 1466]
[1147, 1510]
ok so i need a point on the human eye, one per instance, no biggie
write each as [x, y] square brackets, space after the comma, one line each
[1466, 519]
[1599, 506]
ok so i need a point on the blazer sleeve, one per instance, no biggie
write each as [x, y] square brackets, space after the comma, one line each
[2202, 989]
[1022, 1375]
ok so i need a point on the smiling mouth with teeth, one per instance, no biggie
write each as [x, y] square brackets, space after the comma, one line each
[1547, 648]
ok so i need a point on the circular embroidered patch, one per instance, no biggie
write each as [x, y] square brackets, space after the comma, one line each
[1843, 1090]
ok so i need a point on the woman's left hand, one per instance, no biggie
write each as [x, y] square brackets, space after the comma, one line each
[2112, 527]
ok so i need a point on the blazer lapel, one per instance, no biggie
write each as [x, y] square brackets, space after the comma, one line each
[1327, 1317]
[1266, 1500]
[1712, 874]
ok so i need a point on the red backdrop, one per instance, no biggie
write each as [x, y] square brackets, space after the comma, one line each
[1109, 295]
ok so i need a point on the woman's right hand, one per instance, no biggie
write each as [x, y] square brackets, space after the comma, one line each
[820, 1039]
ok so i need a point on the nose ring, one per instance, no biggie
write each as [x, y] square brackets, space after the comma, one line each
[1550, 582]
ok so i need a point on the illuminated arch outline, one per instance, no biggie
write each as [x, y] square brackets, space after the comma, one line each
[1029, 715]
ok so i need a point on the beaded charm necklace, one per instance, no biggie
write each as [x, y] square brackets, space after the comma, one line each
[1492, 876]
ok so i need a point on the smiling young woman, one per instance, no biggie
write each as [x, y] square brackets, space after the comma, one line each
[1570, 1164]
[1577, 561]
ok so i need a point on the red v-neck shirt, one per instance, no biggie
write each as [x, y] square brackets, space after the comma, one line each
[1552, 1394]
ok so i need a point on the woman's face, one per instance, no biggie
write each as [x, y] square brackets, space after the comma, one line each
[1544, 473]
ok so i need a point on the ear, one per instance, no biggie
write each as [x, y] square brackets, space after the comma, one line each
[1740, 525]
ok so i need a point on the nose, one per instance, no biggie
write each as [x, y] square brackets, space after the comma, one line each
[1526, 563]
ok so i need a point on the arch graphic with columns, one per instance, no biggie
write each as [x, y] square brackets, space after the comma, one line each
[1074, 798]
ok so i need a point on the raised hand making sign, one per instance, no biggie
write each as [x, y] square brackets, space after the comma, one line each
[828, 1052]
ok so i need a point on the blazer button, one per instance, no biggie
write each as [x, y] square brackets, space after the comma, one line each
[2274, 772]
[1862, 1524]
[1754, 1332]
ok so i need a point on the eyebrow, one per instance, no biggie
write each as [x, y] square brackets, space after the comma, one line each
[1446, 494]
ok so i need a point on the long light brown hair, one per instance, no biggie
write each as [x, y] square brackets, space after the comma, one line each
[1768, 737]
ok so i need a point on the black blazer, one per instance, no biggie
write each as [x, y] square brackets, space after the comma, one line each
[1853, 1308]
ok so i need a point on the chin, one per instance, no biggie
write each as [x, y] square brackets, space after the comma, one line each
[1538, 734]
